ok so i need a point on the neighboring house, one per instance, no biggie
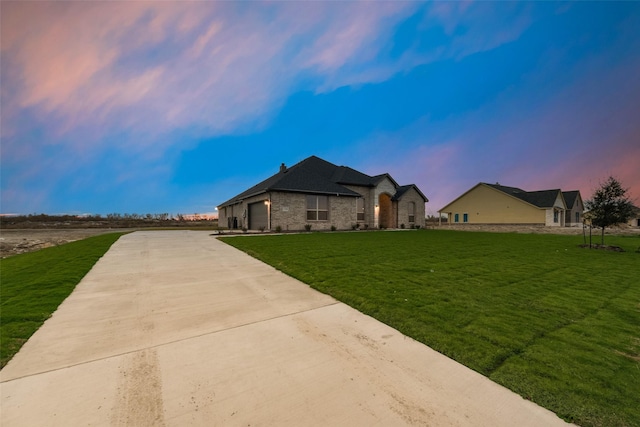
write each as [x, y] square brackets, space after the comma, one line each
[575, 208]
[498, 204]
[324, 195]
[634, 221]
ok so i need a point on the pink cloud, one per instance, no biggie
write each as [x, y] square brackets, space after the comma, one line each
[153, 66]
[353, 32]
[93, 63]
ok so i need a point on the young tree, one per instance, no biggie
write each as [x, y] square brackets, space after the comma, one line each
[609, 205]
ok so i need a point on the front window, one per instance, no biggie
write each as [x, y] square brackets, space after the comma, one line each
[317, 208]
[577, 216]
[412, 212]
[555, 215]
[456, 218]
[465, 217]
[360, 208]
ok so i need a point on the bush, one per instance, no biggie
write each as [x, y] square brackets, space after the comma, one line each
[278, 229]
[402, 225]
[307, 227]
[333, 228]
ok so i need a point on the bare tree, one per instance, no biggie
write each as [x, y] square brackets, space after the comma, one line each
[609, 205]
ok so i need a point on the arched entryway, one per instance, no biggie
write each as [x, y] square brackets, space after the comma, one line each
[385, 212]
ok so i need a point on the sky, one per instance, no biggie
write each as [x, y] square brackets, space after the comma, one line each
[175, 107]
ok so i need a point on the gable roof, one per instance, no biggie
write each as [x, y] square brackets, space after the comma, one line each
[571, 197]
[404, 188]
[539, 199]
[313, 175]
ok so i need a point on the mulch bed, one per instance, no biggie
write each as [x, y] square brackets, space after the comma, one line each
[603, 247]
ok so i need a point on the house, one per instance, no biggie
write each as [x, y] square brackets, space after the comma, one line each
[499, 204]
[318, 193]
[575, 208]
[634, 220]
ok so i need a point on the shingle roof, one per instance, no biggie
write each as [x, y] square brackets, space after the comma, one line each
[404, 188]
[541, 199]
[316, 176]
[311, 175]
[570, 197]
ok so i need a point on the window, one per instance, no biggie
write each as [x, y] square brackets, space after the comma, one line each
[555, 215]
[577, 216]
[456, 218]
[465, 217]
[412, 212]
[317, 208]
[360, 209]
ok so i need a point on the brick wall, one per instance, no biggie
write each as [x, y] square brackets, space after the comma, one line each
[403, 209]
[289, 211]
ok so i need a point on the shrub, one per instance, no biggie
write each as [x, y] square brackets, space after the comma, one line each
[333, 228]
[402, 225]
[307, 227]
[278, 229]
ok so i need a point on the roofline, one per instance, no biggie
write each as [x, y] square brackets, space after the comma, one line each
[557, 190]
[268, 190]
[426, 200]
[378, 178]
[506, 194]
[460, 196]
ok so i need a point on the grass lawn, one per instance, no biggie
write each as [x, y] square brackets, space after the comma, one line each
[557, 324]
[34, 284]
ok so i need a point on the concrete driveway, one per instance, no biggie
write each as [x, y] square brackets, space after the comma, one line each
[174, 328]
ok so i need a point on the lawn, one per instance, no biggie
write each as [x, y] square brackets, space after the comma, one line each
[34, 285]
[557, 324]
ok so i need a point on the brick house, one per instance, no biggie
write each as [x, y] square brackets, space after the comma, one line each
[323, 195]
[499, 204]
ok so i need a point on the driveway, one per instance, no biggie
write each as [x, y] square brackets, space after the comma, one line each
[175, 328]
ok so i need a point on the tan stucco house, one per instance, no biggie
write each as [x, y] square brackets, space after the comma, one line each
[318, 193]
[499, 204]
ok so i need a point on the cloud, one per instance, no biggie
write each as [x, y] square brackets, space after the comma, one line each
[136, 82]
[471, 27]
[153, 66]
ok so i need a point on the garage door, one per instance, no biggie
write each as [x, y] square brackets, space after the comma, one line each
[257, 216]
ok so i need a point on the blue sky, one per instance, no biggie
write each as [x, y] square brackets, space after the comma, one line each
[152, 107]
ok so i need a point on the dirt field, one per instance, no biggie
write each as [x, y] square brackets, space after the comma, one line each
[18, 241]
[14, 242]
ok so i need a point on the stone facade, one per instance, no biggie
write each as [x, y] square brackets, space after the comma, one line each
[288, 211]
[411, 196]
[280, 201]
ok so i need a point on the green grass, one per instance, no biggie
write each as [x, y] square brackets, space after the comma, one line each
[558, 324]
[34, 284]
